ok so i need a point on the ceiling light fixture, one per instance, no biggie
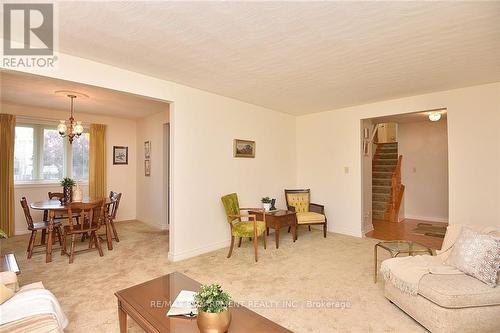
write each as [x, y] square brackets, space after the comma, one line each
[73, 128]
[434, 116]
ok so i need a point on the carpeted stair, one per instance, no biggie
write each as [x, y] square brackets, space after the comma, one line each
[383, 165]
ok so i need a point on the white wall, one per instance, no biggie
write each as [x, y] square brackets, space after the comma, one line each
[424, 146]
[329, 141]
[121, 178]
[150, 190]
[203, 126]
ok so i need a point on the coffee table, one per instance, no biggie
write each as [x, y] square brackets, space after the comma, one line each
[147, 303]
[278, 219]
[396, 247]
[9, 263]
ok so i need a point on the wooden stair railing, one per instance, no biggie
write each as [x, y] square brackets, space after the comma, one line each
[397, 191]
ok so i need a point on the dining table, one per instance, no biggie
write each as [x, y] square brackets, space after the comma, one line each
[54, 206]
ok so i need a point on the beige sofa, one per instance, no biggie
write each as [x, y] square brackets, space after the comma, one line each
[39, 323]
[451, 303]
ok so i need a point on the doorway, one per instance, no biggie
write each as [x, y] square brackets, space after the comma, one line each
[405, 177]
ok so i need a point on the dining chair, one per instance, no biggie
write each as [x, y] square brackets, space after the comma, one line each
[242, 229]
[91, 216]
[34, 227]
[115, 198]
[308, 213]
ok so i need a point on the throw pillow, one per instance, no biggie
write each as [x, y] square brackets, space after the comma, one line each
[5, 293]
[477, 255]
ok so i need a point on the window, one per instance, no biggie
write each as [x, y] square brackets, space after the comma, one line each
[40, 154]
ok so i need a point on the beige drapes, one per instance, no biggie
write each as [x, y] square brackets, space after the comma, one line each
[7, 138]
[97, 161]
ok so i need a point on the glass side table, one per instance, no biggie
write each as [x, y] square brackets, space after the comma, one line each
[397, 247]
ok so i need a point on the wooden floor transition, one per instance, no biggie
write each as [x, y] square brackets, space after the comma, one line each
[404, 231]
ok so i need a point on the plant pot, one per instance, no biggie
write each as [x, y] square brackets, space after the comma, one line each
[68, 193]
[213, 322]
[267, 206]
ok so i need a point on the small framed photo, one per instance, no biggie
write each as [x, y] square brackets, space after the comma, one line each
[120, 155]
[147, 150]
[147, 168]
[244, 148]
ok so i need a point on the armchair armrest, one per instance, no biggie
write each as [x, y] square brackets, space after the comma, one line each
[316, 208]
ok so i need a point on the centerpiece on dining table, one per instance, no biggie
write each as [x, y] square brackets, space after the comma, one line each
[67, 184]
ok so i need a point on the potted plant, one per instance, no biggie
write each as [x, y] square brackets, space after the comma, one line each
[213, 309]
[266, 203]
[67, 184]
[3, 234]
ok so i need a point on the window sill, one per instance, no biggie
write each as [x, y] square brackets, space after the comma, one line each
[42, 183]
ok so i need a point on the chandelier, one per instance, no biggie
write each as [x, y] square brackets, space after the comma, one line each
[73, 128]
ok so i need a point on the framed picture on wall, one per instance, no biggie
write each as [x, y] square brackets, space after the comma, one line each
[147, 168]
[244, 148]
[120, 155]
[147, 150]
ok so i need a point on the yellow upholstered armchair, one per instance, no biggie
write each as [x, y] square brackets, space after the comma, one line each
[308, 213]
[240, 228]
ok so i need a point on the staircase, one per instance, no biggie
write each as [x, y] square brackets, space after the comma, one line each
[384, 165]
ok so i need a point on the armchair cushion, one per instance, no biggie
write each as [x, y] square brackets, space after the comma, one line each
[310, 217]
[245, 228]
[300, 201]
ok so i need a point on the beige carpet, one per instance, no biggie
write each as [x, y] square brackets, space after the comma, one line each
[336, 269]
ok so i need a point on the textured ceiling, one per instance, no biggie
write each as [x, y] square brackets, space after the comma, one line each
[38, 91]
[297, 57]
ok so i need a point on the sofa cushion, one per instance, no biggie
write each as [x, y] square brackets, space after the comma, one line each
[457, 291]
[476, 254]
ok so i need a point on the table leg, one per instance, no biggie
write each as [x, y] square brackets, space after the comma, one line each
[277, 236]
[294, 231]
[50, 231]
[376, 264]
[122, 318]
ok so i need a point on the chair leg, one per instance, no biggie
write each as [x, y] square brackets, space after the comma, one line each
[91, 241]
[44, 234]
[255, 248]
[309, 227]
[31, 243]
[265, 240]
[115, 234]
[239, 242]
[231, 247]
[324, 230]
[72, 253]
[289, 228]
[63, 247]
[58, 234]
[98, 243]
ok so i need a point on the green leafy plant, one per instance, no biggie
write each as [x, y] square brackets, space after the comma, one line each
[67, 182]
[266, 200]
[212, 299]
[3, 234]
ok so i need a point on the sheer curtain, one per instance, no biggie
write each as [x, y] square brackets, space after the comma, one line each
[7, 137]
[97, 161]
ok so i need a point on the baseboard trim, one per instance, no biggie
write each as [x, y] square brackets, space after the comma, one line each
[182, 255]
[427, 218]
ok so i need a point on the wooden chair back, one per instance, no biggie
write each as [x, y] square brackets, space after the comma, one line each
[56, 195]
[27, 214]
[90, 216]
[115, 198]
[298, 199]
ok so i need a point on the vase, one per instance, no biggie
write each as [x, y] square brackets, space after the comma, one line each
[213, 322]
[267, 206]
[68, 193]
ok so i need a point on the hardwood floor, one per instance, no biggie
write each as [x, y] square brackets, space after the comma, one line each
[384, 230]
